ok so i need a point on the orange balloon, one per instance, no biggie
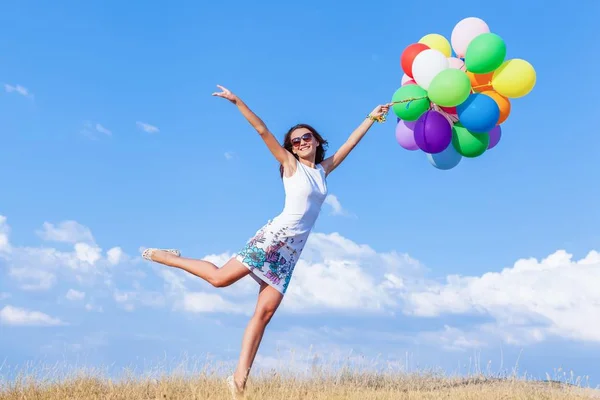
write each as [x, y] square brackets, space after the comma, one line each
[503, 104]
[480, 82]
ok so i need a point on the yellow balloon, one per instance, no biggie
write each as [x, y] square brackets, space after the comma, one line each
[437, 42]
[514, 78]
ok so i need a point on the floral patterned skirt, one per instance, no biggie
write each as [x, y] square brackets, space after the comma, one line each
[271, 255]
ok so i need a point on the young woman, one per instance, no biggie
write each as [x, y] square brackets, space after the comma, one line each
[270, 256]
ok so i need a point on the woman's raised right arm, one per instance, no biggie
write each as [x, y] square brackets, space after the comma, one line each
[281, 154]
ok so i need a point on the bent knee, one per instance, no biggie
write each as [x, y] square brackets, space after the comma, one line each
[264, 314]
[218, 281]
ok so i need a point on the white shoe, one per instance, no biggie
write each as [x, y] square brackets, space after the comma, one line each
[235, 392]
[147, 254]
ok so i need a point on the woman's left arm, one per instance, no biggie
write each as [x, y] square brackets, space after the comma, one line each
[331, 163]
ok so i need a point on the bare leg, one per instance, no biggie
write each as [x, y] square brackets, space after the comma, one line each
[268, 301]
[232, 271]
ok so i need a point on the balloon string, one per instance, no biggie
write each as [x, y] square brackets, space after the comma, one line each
[431, 105]
[409, 100]
[487, 85]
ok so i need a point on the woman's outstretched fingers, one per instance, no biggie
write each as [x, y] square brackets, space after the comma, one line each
[225, 93]
[222, 92]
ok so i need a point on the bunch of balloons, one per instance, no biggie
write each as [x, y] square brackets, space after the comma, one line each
[452, 106]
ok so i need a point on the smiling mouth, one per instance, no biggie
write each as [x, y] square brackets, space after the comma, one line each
[304, 147]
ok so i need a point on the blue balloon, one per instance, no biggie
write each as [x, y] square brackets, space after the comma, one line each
[447, 159]
[479, 113]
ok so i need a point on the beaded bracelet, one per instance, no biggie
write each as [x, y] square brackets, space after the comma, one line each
[380, 119]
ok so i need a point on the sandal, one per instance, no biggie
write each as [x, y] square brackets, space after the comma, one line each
[147, 254]
[236, 394]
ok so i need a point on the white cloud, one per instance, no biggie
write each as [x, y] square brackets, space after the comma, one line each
[147, 127]
[14, 316]
[87, 254]
[528, 302]
[187, 292]
[125, 300]
[484, 335]
[218, 259]
[4, 232]
[66, 232]
[39, 268]
[228, 155]
[121, 297]
[333, 274]
[554, 296]
[114, 255]
[75, 295]
[103, 130]
[93, 308]
[335, 284]
[200, 302]
[32, 279]
[129, 299]
[23, 91]
[93, 130]
[454, 339]
[337, 273]
[336, 207]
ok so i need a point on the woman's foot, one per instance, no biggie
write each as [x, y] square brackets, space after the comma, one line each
[237, 391]
[151, 254]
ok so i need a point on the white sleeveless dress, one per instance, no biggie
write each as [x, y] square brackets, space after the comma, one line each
[272, 253]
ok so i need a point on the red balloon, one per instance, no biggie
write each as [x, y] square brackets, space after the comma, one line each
[449, 110]
[408, 56]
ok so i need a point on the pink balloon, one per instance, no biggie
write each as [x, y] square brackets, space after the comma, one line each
[405, 135]
[456, 63]
[410, 82]
[405, 78]
[449, 110]
[464, 32]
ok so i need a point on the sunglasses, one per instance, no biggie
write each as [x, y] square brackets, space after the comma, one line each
[307, 137]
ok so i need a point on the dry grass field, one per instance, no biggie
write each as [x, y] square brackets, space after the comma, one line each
[49, 384]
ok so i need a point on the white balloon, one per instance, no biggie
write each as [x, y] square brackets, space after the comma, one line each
[465, 31]
[405, 78]
[427, 65]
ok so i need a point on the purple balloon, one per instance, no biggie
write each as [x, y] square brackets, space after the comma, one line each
[495, 135]
[433, 132]
[405, 135]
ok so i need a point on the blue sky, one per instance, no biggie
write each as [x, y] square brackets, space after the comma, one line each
[110, 140]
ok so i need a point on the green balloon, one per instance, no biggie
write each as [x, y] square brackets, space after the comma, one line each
[485, 53]
[467, 143]
[449, 88]
[410, 110]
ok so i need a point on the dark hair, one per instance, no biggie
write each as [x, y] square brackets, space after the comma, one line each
[287, 144]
